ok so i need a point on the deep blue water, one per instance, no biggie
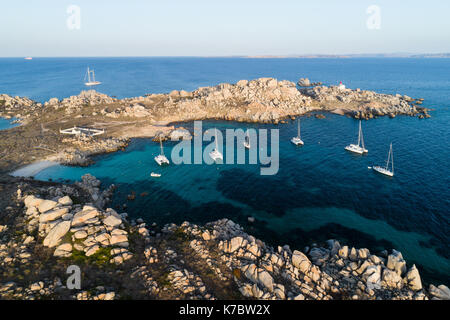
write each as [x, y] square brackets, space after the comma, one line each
[320, 192]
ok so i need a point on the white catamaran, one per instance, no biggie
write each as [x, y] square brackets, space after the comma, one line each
[297, 140]
[90, 82]
[161, 158]
[358, 148]
[215, 154]
[385, 170]
[247, 141]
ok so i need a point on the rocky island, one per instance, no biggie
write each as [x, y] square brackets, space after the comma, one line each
[263, 100]
[46, 227]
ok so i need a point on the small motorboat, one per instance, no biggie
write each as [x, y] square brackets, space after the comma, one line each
[155, 175]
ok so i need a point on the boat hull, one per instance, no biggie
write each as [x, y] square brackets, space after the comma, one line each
[383, 171]
[90, 84]
[216, 155]
[162, 160]
[297, 141]
[356, 149]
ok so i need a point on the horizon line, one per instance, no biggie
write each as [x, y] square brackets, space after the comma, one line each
[258, 56]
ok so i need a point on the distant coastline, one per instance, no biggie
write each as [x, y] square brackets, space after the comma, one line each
[349, 56]
[444, 55]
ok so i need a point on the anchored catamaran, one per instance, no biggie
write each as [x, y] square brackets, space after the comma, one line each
[297, 140]
[385, 170]
[358, 148]
[161, 159]
[215, 154]
[90, 82]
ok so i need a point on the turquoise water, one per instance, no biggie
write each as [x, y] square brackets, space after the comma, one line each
[7, 124]
[321, 191]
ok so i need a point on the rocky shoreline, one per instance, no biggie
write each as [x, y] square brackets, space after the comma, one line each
[47, 227]
[264, 100]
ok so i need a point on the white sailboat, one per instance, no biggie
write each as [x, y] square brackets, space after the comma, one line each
[385, 170]
[215, 154]
[297, 140]
[247, 141]
[90, 82]
[358, 148]
[161, 159]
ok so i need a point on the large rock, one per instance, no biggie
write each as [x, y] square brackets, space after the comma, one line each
[180, 134]
[301, 261]
[56, 234]
[65, 201]
[47, 205]
[319, 255]
[234, 244]
[413, 279]
[119, 239]
[391, 279]
[265, 280]
[112, 221]
[53, 215]
[343, 252]
[304, 82]
[440, 293]
[395, 262]
[32, 201]
[63, 251]
[373, 274]
[80, 218]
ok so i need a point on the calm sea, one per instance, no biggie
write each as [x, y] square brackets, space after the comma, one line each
[320, 192]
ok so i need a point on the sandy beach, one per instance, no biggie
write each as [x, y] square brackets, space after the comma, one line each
[33, 169]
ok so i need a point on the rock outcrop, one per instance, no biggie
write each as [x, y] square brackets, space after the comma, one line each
[215, 261]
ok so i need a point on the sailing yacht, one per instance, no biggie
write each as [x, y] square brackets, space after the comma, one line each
[297, 140]
[215, 154]
[90, 82]
[358, 148]
[247, 141]
[161, 158]
[385, 170]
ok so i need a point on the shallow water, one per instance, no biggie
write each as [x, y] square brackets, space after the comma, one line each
[321, 191]
[7, 124]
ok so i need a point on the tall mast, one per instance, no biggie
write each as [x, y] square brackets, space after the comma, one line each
[93, 76]
[160, 143]
[361, 133]
[89, 75]
[299, 128]
[215, 138]
[389, 157]
[392, 156]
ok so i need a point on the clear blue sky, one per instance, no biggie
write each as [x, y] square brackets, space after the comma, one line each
[221, 28]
